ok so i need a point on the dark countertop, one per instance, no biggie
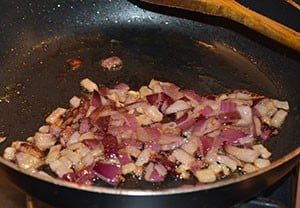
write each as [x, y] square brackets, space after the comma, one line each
[11, 196]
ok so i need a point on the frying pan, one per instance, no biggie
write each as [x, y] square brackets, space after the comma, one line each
[195, 51]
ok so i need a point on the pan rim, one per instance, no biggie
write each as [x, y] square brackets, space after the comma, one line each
[151, 192]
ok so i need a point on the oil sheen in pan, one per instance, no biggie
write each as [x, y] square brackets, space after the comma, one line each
[47, 81]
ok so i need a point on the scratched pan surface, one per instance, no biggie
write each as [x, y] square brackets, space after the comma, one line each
[207, 54]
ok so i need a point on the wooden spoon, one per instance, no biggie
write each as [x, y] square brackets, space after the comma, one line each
[233, 10]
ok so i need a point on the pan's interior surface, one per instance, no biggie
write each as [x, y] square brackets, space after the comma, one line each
[35, 77]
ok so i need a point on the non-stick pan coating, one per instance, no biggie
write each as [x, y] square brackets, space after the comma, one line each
[35, 77]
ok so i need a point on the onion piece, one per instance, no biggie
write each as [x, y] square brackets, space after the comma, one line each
[59, 168]
[124, 158]
[232, 164]
[144, 157]
[75, 102]
[278, 119]
[155, 173]
[186, 121]
[153, 113]
[183, 157]
[280, 104]
[146, 134]
[207, 111]
[128, 168]
[27, 161]
[110, 145]
[261, 163]
[193, 97]
[160, 100]
[85, 175]
[133, 151]
[190, 147]
[205, 176]
[44, 141]
[206, 144]
[215, 167]
[265, 108]
[171, 141]
[133, 143]
[246, 116]
[244, 154]
[264, 153]
[29, 148]
[232, 136]
[144, 91]
[74, 138]
[200, 127]
[91, 143]
[53, 154]
[153, 146]
[112, 63]
[55, 115]
[177, 106]
[10, 153]
[249, 168]
[257, 126]
[89, 85]
[229, 117]
[108, 172]
[131, 121]
[227, 106]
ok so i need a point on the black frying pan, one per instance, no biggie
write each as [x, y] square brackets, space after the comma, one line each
[207, 54]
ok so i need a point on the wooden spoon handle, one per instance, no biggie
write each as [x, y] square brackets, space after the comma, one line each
[233, 10]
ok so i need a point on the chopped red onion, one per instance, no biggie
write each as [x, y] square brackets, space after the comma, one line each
[155, 173]
[156, 131]
[131, 121]
[266, 134]
[110, 144]
[96, 99]
[227, 106]
[193, 96]
[85, 175]
[122, 86]
[232, 136]
[84, 126]
[160, 100]
[199, 127]
[55, 130]
[186, 121]
[109, 172]
[153, 146]
[124, 158]
[206, 111]
[132, 142]
[206, 142]
[91, 143]
[101, 123]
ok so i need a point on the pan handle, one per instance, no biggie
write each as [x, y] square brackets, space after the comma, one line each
[233, 10]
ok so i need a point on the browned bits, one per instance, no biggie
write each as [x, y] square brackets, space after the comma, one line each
[74, 64]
